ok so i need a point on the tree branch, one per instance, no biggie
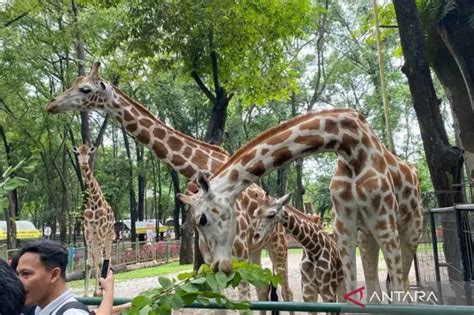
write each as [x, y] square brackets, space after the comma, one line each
[202, 86]
[7, 24]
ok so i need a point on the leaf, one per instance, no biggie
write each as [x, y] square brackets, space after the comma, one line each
[221, 279]
[141, 301]
[189, 298]
[212, 282]
[198, 280]
[276, 280]
[203, 300]
[176, 302]
[165, 282]
[185, 275]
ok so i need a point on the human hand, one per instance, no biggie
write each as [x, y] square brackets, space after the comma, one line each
[107, 284]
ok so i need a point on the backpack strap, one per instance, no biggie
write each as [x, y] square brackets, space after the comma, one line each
[72, 305]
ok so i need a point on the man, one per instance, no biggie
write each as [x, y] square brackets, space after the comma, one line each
[12, 293]
[41, 267]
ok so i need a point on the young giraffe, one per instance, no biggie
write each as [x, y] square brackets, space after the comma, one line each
[98, 220]
[183, 153]
[321, 266]
[372, 189]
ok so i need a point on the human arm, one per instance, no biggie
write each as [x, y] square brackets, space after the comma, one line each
[107, 284]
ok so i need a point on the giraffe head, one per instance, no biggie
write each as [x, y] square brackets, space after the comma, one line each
[268, 215]
[215, 221]
[83, 155]
[86, 93]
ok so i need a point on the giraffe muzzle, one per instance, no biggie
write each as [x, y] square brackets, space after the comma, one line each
[224, 265]
[52, 107]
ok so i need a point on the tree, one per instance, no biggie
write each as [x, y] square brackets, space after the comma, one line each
[444, 160]
[449, 30]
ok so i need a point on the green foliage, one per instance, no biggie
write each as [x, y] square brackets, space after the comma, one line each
[10, 181]
[251, 39]
[203, 286]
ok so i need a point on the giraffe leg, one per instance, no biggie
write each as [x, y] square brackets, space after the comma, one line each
[89, 266]
[409, 239]
[346, 239]
[309, 287]
[369, 252]
[389, 241]
[278, 251]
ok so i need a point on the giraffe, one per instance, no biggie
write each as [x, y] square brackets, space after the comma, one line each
[372, 190]
[321, 266]
[98, 220]
[183, 153]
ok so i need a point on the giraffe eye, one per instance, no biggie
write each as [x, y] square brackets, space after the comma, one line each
[271, 215]
[85, 90]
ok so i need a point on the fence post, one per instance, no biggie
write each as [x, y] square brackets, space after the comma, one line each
[463, 250]
[434, 240]
[137, 249]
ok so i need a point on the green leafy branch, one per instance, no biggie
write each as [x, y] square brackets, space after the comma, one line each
[203, 287]
[10, 181]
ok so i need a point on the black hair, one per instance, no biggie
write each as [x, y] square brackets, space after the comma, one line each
[51, 254]
[12, 293]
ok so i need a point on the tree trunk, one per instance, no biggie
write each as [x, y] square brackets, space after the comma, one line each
[444, 161]
[216, 125]
[12, 210]
[81, 58]
[64, 214]
[141, 183]
[177, 203]
[186, 250]
[132, 200]
[299, 192]
[453, 55]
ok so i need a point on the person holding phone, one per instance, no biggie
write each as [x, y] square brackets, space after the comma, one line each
[41, 267]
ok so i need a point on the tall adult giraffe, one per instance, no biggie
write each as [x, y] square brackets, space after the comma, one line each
[99, 220]
[372, 189]
[183, 153]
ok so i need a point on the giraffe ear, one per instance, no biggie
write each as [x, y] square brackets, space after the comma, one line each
[92, 149]
[203, 182]
[94, 73]
[75, 150]
[283, 200]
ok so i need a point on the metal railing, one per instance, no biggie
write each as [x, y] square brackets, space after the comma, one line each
[324, 307]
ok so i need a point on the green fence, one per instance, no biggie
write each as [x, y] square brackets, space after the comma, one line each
[327, 307]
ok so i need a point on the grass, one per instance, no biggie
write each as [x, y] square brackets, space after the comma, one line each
[161, 270]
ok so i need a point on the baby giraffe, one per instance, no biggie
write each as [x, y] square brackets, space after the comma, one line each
[321, 266]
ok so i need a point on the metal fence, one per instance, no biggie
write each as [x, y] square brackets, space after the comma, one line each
[122, 253]
[445, 256]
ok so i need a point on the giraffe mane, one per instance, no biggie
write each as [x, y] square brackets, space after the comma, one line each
[144, 111]
[274, 130]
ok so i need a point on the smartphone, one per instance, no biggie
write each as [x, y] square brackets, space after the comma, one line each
[105, 268]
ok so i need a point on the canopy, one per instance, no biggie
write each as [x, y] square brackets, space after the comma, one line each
[25, 230]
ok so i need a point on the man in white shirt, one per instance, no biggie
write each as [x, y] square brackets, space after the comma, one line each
[42, 270]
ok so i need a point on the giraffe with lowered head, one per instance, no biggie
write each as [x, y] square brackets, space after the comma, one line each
[184, 154]
[98, 220]
[321, 266]
[372, 190]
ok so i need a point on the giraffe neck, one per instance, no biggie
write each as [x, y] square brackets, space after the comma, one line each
[303, 229]
[92, 185]
[183, 153]
[344, 132]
